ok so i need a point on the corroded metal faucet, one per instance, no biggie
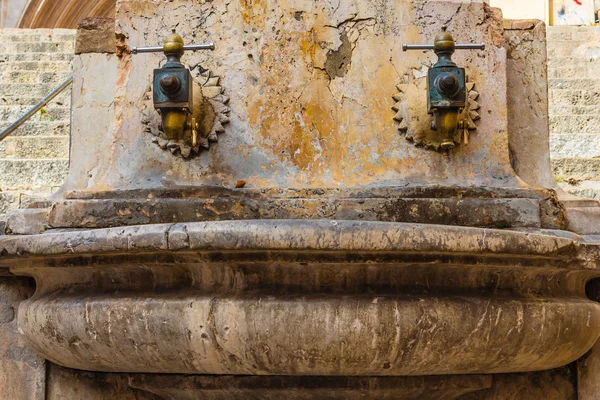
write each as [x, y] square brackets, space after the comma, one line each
[175, 96]
[446, 86]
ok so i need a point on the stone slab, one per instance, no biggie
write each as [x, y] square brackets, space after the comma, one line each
[27, 222]
[584, 220]
[495, 213]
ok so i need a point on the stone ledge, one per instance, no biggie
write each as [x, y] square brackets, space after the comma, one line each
[297, 235]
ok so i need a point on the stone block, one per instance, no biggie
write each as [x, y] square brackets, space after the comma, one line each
[38, 66]
[575, 146]
[8, 201]
[37, 47]
[575, 84]
[31, 221]
[571, 71]
[37, 90]
[26, 174]
[521, 24]
[63, 99]
[589, 124]
[584, 221]
[590, 98]
[96, 35]
[8, 58]
[577, 168]
[16, 35]
[564, 98]
[575, 109]
[50, 113]
[40, 128]
[42, 147]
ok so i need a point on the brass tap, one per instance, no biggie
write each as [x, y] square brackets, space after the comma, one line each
[446, 87]
[177, 98]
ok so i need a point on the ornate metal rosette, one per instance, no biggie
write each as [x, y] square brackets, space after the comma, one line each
[218, 112]
[469, 114]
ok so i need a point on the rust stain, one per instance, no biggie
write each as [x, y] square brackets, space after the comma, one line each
[253, 12]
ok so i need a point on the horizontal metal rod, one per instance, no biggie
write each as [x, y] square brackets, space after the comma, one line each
[36, 108]
[159, 49]
[476, 46]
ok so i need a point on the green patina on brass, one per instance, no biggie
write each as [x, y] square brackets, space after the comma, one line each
[446, 87]
[173, 91]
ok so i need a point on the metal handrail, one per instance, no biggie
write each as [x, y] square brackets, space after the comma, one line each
[36, 108]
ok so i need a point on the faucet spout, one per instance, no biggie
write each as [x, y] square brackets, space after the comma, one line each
[446, 124]
[446, 90]
[174, 123]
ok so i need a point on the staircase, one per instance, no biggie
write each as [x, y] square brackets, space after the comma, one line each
[574, 85]
[35, 158]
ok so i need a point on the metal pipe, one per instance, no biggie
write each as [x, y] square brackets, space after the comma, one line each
[36, 108]
[159, 49]
[477, 46]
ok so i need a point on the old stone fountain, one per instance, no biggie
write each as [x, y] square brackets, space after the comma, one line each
[306, 212]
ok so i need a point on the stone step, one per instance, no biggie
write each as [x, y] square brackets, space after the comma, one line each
[33, 56]
[33, 76]
[568, 97]
[562, 62]
[15, 199]
[36, 35]
[37, 47]
[62, 100]
[560, 52]
[586, 189]
[27, 174]
[588, 124]
[28, 147]
[572, 109]
[574, 146]
[583, 69]
[40, 66]
[572, 33]
[574, 84]
[48, 113]
[574, 170]
[40, 128]
[37, 90]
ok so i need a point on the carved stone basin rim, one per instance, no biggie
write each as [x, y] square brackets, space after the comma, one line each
[296, 235]
[295, 297]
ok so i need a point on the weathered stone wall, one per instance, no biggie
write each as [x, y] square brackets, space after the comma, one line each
[574, 82]
[35, 158]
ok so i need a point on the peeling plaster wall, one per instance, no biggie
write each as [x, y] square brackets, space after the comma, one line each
[311, 86]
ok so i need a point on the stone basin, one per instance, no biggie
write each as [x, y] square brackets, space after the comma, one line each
[292, 297]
